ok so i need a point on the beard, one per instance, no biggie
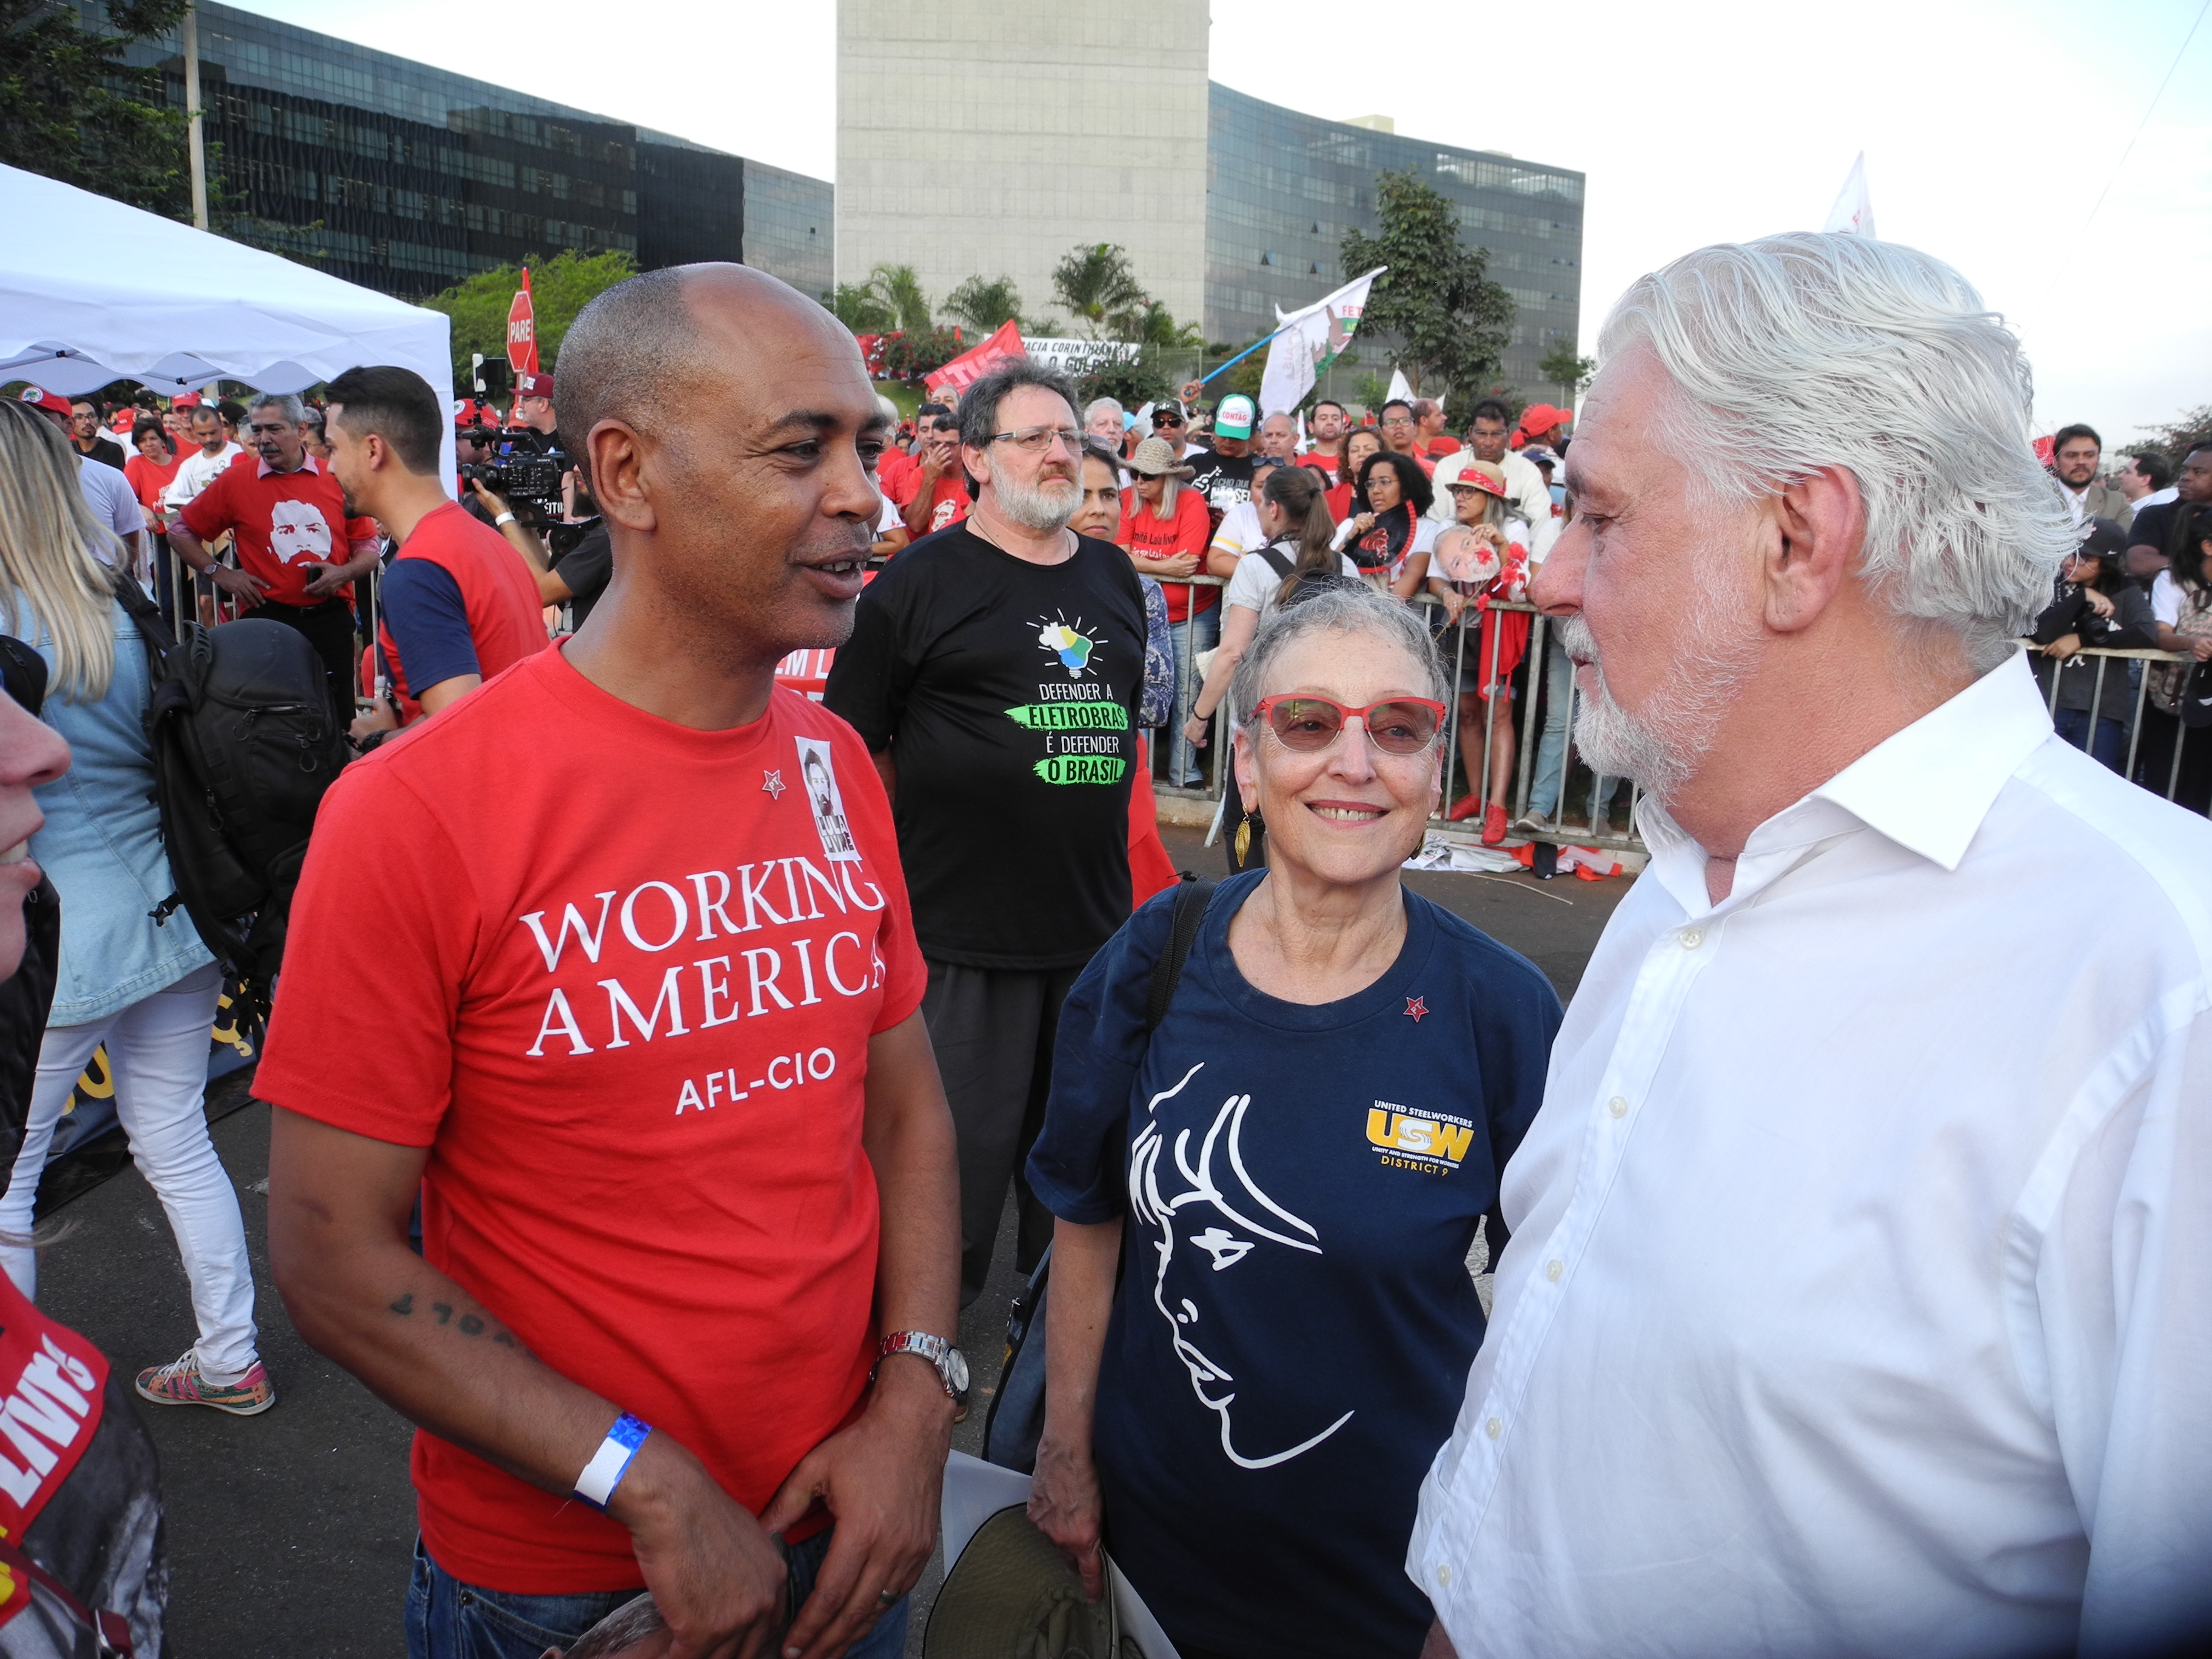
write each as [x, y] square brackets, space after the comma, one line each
[1659, 747]
[1048, 504]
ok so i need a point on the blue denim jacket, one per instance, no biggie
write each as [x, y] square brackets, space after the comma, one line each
[101, 847]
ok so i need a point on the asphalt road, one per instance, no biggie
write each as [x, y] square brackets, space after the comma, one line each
[289, 1533]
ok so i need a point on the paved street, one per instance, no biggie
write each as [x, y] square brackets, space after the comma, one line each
[289, 1533]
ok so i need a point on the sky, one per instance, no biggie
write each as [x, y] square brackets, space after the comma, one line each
[2018, 141]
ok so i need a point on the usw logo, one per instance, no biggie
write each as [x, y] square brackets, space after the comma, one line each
[1434, 1141]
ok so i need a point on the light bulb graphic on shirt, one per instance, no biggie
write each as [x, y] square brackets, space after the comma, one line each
[1072, 649]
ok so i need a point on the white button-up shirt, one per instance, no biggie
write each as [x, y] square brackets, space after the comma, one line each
[1859, 1299]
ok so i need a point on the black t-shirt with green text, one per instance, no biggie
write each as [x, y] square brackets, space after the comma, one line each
[1007, 693]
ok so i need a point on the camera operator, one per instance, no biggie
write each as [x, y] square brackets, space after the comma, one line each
[576, 578]
[540, 431]
[473, 447]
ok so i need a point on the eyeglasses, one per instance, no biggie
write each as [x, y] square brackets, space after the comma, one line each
[1398, 420]
[1037, 438]
[1399, 725]
[1166, 417]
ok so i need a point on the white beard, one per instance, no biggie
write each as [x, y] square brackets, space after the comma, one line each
[1660, 748]
[1048, 506]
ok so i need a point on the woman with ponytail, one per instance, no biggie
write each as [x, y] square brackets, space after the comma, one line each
[1297, 557]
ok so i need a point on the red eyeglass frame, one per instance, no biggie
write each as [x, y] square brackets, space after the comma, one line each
[1345, 715]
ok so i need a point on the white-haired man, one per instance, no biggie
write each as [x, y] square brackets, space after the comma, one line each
[996, 667]
[1856, 1297]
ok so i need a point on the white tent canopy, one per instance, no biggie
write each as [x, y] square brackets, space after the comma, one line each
[93, 291]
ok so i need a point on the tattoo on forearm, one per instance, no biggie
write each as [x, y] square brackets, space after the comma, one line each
[468, 1324]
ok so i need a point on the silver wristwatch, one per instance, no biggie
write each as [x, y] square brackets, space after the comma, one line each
[951, 1364]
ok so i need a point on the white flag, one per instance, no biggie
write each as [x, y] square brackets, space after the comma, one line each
[1854, 210]
[1309, 341]
[1401, 390]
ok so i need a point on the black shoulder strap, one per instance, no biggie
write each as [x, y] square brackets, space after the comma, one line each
[1278, 561]
[153, 627]
[1190, 902]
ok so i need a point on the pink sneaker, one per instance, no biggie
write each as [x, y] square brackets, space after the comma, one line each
[179, 1383]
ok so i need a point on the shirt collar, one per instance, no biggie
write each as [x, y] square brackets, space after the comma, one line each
[1927, 787]
[263, 470]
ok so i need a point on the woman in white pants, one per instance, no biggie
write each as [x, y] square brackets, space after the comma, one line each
[146, 989]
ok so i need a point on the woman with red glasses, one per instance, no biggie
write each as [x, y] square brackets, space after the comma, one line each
[1260, 1317]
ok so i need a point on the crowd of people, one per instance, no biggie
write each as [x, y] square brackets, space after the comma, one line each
[716, 1025]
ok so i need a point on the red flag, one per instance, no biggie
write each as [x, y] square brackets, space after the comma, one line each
[522, 331]
[964, 370]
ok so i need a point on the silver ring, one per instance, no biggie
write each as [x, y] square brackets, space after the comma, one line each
[889, 1598]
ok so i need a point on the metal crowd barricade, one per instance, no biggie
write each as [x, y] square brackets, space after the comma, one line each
[2105, 658]
[1457, 642]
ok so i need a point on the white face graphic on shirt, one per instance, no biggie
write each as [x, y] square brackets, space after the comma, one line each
[298, 531]
[1194, 1245]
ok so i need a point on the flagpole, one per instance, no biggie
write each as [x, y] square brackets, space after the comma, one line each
[1246, 352]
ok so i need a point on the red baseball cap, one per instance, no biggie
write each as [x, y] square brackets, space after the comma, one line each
[39, 397]
[185, 400]
[534, 386]
[1539, 418]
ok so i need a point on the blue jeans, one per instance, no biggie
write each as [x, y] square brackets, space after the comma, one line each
[448, 1619]
[2109, 744]
[1185, 640]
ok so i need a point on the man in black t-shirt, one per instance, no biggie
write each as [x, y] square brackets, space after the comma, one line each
[1222, 474]
[994, 670]
[2147, 536]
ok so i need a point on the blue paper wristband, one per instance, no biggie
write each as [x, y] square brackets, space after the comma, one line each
[595, 1485]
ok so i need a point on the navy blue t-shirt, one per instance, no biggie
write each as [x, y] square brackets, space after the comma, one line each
[1300, 1187]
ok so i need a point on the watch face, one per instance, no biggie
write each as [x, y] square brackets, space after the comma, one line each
[957, 1365]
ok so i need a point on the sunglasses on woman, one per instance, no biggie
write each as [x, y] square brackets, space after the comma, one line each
[1399, 725]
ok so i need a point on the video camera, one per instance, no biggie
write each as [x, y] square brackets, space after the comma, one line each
[527, 480]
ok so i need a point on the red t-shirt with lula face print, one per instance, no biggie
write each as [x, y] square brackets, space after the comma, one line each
[285, 524]
[619, 977]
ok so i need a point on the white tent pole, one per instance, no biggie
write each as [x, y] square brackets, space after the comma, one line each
[192, 44]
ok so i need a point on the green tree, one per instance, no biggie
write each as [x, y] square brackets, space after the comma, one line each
[983, 306]
[1450, 320]
[71, 109]
[856, 305]
[559, 288]
[1095, 286]
[2192, 426]
[899, 291]
[1152, 324]
[1568, 371]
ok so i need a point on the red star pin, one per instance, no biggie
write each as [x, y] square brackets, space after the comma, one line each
[1415, 1008]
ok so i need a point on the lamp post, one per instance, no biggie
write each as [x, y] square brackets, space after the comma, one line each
[191, 45]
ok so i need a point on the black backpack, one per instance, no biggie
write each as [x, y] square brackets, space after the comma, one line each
[1015, 1422]
[244, 745]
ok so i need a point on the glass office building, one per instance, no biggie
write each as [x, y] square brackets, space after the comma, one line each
[1284, 187]
[407, 178]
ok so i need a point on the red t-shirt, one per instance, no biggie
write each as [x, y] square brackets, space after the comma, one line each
[1189, 529]
[282, 521]
[506, 619]
[895, 474]
[948, 500]
[619, 976]
[147, 479]
[1440, 447]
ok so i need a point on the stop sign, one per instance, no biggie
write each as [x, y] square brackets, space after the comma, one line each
[522, 332]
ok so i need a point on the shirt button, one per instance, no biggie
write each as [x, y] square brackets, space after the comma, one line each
[1493, 1428]
[1552, 1269]
[1617, 1106]
[1692, 937]
[1443, 1576]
